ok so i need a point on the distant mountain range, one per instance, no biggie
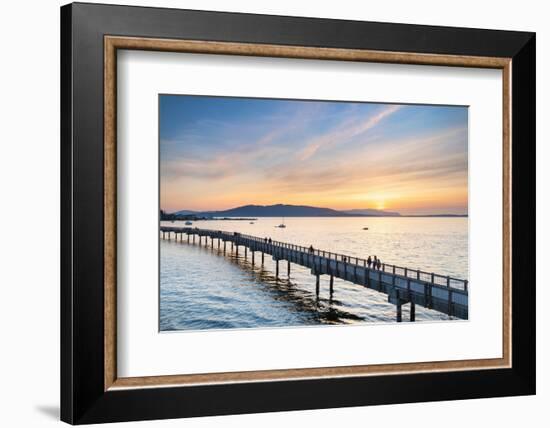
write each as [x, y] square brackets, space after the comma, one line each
[186, 212]
[278, 210]
[282, 210]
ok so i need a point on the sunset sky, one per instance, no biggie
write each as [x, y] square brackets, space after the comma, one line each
[218, 153]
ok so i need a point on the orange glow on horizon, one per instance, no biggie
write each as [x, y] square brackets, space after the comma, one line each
[413, 201]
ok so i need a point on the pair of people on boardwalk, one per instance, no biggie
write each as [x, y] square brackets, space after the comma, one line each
[376, 263]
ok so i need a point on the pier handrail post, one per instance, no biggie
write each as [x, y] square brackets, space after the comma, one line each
[393, 269]
[433, 278]
[448, 282]
[345, 270]
[466, 285]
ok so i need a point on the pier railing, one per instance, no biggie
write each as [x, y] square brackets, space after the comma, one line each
[434, 278]
[431, 277]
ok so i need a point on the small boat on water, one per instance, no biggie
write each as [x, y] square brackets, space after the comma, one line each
[282, 225]
[188, 223]
[251, 222]
[365, 228]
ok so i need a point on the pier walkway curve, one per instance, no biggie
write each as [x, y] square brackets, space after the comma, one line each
[402, 285]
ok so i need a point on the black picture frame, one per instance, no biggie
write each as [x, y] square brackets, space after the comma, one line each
[83, 398]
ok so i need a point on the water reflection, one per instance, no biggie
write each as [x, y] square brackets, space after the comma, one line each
[324, 310]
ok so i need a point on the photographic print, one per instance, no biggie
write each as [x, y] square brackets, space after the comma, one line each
[291, 213]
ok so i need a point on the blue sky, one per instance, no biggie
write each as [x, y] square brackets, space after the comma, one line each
[221, 152]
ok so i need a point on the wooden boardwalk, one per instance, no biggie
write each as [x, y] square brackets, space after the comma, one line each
[402, 285]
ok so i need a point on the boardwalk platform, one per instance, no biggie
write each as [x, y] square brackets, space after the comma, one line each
[402, 285]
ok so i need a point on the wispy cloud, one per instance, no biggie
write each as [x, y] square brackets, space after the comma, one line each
[346, 131]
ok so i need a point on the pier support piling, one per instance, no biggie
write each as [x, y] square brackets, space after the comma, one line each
[317, 284]
[262, 258]
[252, 258]
[413, 312]
[288, 268]
[331, 284]
[276, 268]
[399, 315]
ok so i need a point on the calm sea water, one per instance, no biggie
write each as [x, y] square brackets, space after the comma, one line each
[203, 288]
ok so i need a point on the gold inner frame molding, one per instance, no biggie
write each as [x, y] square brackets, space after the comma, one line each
[113, 43]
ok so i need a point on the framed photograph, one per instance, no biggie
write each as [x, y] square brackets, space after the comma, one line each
[265, 213]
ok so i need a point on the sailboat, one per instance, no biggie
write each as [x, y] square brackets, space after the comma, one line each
[282, 225]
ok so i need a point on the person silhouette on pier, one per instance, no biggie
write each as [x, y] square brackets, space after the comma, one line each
[378, 264]
[369, 262]
[311, 249]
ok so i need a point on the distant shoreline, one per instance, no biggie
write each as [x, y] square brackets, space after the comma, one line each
[320, 216]
[285, 210]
